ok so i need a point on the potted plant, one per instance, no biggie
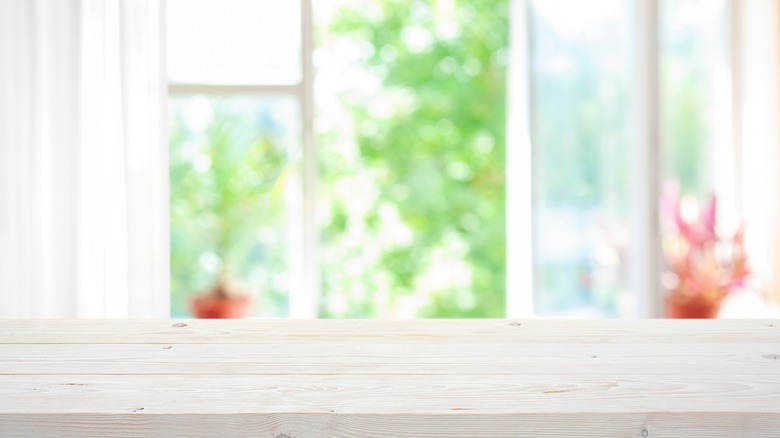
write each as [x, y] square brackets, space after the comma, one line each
[704, 265]
[227, 197]
[225, 299]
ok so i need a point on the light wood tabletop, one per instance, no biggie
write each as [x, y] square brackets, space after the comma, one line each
[411, 378]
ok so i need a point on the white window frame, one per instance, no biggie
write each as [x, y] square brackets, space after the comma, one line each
[645, 249]
[303, 235]
[645, 255]
[645, 258]
[519, 177]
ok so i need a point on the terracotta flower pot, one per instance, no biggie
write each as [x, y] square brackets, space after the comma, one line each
[692, 308]
[209, 306]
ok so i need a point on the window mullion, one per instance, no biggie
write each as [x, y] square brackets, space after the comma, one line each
[645, 255]
[304, 294]
[519, 231]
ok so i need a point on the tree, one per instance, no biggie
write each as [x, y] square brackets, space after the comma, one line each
[422, 229]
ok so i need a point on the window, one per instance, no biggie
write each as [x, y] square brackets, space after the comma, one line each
[233, 187]
[696, 90]
[581, 108]
[236, 143]
[591, 125]
[350, 158]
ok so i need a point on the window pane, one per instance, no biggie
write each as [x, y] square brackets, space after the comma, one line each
[411, 125]
[581, 60]
[234, 41]
[233, 167]
[695, 86]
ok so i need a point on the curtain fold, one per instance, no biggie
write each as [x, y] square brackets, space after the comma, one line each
[83, 159]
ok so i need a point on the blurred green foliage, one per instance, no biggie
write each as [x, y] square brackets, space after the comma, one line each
[430, 236]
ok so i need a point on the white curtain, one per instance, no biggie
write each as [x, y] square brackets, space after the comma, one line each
[83, 159]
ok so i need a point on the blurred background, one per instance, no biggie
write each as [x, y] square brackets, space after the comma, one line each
[351, 158]
[422, 158]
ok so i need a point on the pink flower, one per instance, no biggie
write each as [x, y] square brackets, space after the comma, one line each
[690, 248]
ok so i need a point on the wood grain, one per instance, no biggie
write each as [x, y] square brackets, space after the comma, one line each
[387, 358]
[295, 425]
[340, 331]
[389, 394]
[357, 378]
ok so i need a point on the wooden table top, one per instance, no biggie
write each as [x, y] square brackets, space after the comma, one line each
[412, 378]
